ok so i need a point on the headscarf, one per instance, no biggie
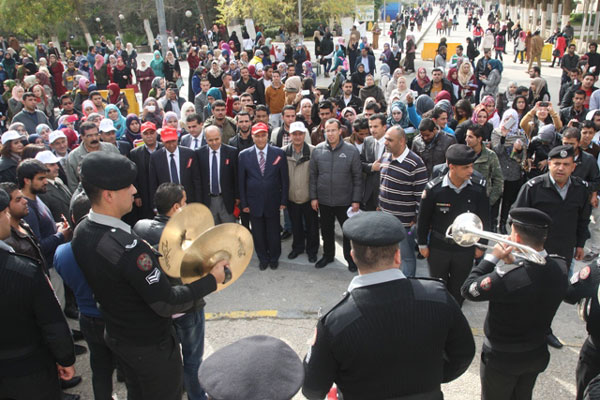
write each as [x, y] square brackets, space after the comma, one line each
[40, 128]
[42, 78]
[384, 70]
[539, 84]
[465, 78]
[404, 120]
[215, 93]
[114, 97]
[480, 107]
[496, 64]
[10, 84]
[43, 62]
[511, 97]
[387, 52]
[99, 61]
[511, 112]
[157, 63]
[168, 116]
[31, 139]
[112, 60]
[87, 104]
[445, 105]
[424, 103]
[450, 78]
[344, 111]
[486, 101]
[547, 133]
[185, 107]
[443, 95]
[156, 116]
[129, 135]
[119, 123]
[82, 84]
[424, 81]
[15, 93]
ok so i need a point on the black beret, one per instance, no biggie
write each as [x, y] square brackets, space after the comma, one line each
[460, 154]
[374, 228]
[108, 171]
[4, 199]
[253, 368]
[564, 151]
[529, 217]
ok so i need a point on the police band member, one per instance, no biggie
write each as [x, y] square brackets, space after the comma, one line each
[390, 336]
[135, 297]
[36, 341]
[583, 288]
[444, 199]
[566, 198]
[523, 298]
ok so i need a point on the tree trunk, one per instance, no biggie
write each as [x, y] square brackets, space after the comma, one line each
[56, 41]
[534, 17]
[584, 27]
[544, 17]
[149, 34]
[503, 9]
[566, 12]
[86, 32]
[554, 19]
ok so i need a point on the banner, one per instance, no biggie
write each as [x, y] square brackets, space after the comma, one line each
[365, 10]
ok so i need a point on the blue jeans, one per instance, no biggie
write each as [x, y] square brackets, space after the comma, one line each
[190, 330]
[407, 252]
[102, 360]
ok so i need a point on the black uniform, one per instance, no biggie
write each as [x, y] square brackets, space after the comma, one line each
[570, 217]
[523, 300]
[440, 205]
[584, 289]
[36, 336]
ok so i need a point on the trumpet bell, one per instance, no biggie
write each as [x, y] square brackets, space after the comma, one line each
[463, 229]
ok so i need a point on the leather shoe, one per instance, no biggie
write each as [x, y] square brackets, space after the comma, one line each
[553, 341]
[293, 254]
[286, 235]
[79, 350]
[263, 265]
[74, 381]
[274, 264]
[312, 258]
[70, 396]
[352, 266]
[323, 262]
[77, 335]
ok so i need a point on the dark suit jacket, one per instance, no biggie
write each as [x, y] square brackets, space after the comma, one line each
[371, 181]
[141, 157]
[228, 165]
[263, 194]
[187, 141]
[189, 173]
[355, 102]
[371, 63]
[57, 198]
[124, 147]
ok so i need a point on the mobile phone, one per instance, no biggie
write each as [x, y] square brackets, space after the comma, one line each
[232, 84]
[305, 92]
[544, 104]
[510, 122]
[576, 124]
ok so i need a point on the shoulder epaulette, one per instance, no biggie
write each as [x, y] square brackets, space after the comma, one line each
[535, 181]
[434, 182]
[580, 181]
[478, 181]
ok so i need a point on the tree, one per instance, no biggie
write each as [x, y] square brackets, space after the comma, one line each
[33, 17]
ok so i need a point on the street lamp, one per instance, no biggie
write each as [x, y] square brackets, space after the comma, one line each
[188, 13]
[98, 19]
[121, 17]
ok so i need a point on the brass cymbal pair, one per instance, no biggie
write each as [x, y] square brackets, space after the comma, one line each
[191, 245]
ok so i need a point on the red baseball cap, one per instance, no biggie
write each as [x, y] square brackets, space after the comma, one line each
[147, 126]
[72, 118]
[168, 134]
[260, 127]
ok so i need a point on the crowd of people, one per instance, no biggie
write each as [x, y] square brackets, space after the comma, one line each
[259, 143]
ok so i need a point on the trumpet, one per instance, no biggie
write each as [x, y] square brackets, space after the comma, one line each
[467, 230]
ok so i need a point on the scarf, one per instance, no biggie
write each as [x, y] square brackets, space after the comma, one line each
[114, 97]
[442, 95]
[478, 109]
[87, 104]
[15, 93]
[464, 77]
[487, 100]
[82, 84]
[422, 82]
[404, 121]
[170, 115]
[119, 123]
[131, 136]
[453, 80]
[120, 67]
[539, 85]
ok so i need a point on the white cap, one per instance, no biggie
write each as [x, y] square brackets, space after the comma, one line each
[106, 125]
[47, 157]
[55, 135]
[298, 127]
[10, 135]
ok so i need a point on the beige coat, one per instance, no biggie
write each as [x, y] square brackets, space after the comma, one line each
[299, 172]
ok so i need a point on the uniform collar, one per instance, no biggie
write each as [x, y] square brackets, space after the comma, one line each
[375, 278]
[4, 246]
[107, 220]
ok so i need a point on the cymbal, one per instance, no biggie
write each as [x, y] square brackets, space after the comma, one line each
[229, 241]
[179, 233]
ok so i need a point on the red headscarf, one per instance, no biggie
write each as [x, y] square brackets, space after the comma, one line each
[424, 81]
[114, 97]
[450, 73]
[443, 95]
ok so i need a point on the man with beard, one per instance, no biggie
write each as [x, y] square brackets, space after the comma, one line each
[220, 119]
[57, 196]
[243, 139]
[90, 142]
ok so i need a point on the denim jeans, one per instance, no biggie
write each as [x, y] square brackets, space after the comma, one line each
[190, 330]
[407, 252]
[102, 360]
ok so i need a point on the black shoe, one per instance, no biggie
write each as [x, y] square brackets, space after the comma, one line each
[263, 265]
[70, 396]
[553, 341]
[323, 262]
[74, 381]
[79, 350]
[293, 254]
[274, 264]
[352, 266]
[71, 312]
[77, 335]
[312, 258]
[286, 235]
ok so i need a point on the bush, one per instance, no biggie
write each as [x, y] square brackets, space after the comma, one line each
[577, 19]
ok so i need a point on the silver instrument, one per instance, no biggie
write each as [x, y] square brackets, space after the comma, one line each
[467, 230]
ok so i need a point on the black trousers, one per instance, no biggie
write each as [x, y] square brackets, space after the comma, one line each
[509, 195]
[245, 219]
[453, 266]
[588, 366]
[305, 228]
[514, 382]
[40, 385]
[267, 242]
[102, 360]
[153, 372]
[328, 216]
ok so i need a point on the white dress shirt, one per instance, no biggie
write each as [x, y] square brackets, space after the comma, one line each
[210, 167]
[176, 153]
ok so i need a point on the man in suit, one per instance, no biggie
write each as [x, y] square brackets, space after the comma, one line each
[194, 139]
[263, 180]
[367, 60]
[141, 157]
[370, 156]
[347, 99]
[218, 175]
[175, 164]
[57, 196]
[108, 134]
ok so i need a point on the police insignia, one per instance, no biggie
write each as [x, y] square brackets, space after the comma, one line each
[584, 273]
[144, 262]
[473, 289]
[486, 284]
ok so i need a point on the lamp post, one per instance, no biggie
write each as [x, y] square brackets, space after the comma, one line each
[162, 26]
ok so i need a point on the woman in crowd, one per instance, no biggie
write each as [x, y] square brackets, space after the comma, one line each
[480, 118]
[117, 98]
[43, 79]
[372, 90]
[82, 93]
[132, 129]
[463, 111]
[158, 88]
[113, 113]
[43, 131]
[467, 81]
[171, 68]
[88, 107]
[131, 57]
[215, 75]
[453, 78]
[10, 155]
[421, 80]
[151, 112]
[538, 91]
[15, 103]
[411, 52]
[521, 47]
[393, 83]
[306, 114]
[401, 91]
[541, 114]
[490, 106]
[171, 120]
[144, 75]
[187, 108]
[492, 80]
[56, 69]
[44, 103]
[520, 106]
[121, 74]
[358, 79]
[101, 75]
[157, 64]
[505, 100]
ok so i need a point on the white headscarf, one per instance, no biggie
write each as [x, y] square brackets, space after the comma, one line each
[509, 114]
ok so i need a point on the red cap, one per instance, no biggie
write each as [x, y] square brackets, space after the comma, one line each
[260, 127]
[147, 126]
[72, 118]
[168, 134]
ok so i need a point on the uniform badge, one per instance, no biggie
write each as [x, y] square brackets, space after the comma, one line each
[486, 284]
[563, 154]
[585, 272]
[189, 164]
[144, 262]
[473, 290]
[153, 277]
